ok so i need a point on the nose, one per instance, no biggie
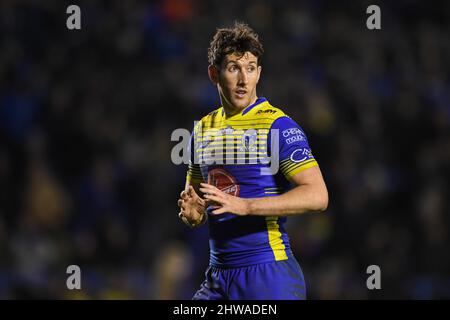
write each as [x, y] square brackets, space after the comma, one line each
[243, 77]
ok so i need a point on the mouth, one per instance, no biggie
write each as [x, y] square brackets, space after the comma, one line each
[240, 93]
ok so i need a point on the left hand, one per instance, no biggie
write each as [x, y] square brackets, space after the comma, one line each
[225, 202]
[192, 208]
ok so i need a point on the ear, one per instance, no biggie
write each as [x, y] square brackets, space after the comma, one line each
[213, 74]
[259, 73]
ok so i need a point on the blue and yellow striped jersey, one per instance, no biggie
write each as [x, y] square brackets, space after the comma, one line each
[230, 153]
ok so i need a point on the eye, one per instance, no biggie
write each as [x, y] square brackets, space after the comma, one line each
[233, 68]
[251, 68]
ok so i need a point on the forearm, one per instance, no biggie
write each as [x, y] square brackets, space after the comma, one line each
[301, 199]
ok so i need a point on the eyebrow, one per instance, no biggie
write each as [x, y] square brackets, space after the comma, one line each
[233, 61]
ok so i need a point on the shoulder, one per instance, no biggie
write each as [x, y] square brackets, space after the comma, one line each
[280, 120]
[210, 118]
[264, 115]
[277, 115]
[274, 115]
[267, 110]
[213, 114]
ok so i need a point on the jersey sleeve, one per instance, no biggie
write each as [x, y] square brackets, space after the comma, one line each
[194, 174]
[294, 152]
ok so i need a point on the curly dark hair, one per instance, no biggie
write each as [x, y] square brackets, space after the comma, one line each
[238, 39]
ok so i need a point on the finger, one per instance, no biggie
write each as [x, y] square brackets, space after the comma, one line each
[219, 211]
[186, 221]
[207, 185]
[181, 203]
[214, 198]
[214, 191]
[200, 201]
[183, 195]
[180, 215]
[208, 191]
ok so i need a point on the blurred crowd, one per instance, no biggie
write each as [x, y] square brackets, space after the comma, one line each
[86, 117]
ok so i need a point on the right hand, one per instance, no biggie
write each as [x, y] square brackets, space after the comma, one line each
[192, 208]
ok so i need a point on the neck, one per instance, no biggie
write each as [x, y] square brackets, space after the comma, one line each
[230, 109]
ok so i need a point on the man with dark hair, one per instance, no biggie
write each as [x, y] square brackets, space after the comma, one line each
[250, 254]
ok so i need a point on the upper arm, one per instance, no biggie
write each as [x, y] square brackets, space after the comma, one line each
[297, 162]
[293, 149]
[194, 175]
[312, 177]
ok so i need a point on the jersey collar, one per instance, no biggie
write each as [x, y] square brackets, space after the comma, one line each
[247, 109]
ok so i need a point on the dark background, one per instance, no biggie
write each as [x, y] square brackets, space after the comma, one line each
[86, 117]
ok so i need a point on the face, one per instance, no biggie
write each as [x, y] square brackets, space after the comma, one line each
[237, 79]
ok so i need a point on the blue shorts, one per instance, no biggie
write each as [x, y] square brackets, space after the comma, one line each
[278, 280]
